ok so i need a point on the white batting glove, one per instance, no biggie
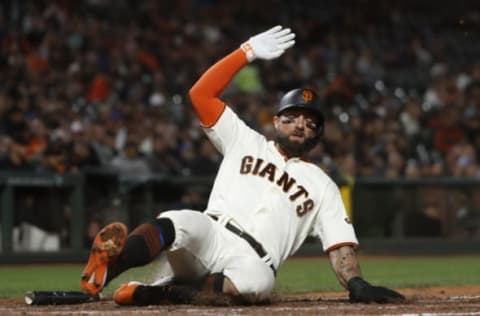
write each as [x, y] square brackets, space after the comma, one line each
[269, 44]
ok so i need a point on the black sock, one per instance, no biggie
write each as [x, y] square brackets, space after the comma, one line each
[143, 245]
[135, 253]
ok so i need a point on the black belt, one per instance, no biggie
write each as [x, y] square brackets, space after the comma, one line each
[251, 241]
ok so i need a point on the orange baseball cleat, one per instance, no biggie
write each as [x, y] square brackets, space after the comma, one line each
[125, 293]
[108, 244]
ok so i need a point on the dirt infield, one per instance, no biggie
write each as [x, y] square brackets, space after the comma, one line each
[462, 300]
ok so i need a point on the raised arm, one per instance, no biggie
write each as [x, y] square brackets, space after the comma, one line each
[345, 264]
[206, 91]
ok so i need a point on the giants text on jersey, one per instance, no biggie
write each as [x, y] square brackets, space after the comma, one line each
[289, 185]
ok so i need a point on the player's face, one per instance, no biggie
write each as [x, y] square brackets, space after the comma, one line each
[296, 131]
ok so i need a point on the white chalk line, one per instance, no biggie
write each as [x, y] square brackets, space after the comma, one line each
[28, 310]
[207, 312]
[436, 314]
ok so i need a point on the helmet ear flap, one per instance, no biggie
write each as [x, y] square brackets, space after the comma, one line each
[321, 125]
[275, 121]
[320, 128]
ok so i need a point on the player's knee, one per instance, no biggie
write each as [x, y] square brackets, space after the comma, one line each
[219, 283]
[256, 288]
[229, 288]
[263, 287]
[166, 230]
[256, 292]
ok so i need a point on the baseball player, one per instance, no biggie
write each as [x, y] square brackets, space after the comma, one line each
[265, 201]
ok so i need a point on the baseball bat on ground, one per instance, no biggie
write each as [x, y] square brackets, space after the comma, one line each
[60, 297]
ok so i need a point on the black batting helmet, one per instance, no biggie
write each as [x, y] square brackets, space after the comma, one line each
[306, 99]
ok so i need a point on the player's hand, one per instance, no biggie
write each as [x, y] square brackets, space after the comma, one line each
[269, 44]
[363, 292]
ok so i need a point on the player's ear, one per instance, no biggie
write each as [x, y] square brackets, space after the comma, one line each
[276, 121]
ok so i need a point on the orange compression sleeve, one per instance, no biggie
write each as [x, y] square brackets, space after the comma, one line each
[206, 91]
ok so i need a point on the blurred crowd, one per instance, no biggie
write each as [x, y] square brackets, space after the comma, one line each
[104, 83]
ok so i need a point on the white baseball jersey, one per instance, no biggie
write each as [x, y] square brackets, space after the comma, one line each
[278, 201]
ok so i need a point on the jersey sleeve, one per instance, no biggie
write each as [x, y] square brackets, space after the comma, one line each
[332, 223]
[230, 130]
[206, 91]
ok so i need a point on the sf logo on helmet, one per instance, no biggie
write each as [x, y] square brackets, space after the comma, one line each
[307, 95]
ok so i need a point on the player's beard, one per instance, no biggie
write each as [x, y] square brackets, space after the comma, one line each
[294, 149]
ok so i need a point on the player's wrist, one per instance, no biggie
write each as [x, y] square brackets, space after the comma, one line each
[356, 285]
[248, 51]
